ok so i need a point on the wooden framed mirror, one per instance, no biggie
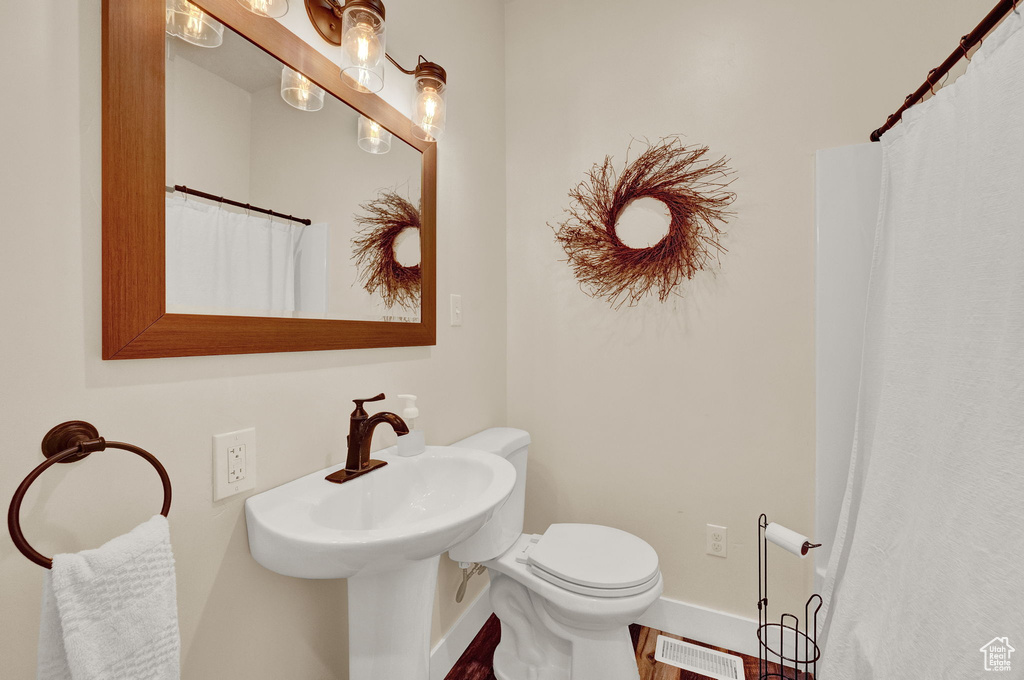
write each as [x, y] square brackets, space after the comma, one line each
[138, 322]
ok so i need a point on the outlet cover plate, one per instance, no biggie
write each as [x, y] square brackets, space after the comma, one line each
[717, 540]
[234, 454]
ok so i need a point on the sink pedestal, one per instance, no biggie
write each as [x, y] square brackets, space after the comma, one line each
[384, 532]
[389, 616]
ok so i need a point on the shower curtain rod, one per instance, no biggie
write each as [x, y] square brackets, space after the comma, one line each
[220, 199]
[967, 42]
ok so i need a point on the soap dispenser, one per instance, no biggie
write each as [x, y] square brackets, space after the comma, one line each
[414, 443]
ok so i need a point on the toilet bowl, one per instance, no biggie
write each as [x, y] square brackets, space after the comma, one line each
[566, 597]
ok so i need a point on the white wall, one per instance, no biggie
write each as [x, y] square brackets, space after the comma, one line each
[848, 182]
[238, 620]
[665, 417]
[202, 151]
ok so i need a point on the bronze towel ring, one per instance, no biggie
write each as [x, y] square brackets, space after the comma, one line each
[67, 443]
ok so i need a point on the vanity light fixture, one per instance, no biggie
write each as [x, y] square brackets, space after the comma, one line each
[266, 8]
[300, 92]
[363, 44]
[429, 111]
[186, 21]
[372, 137]
[357, 26]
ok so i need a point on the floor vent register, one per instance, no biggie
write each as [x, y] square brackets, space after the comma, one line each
[708, 662]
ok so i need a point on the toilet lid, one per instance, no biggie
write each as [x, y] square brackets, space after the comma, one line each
[593, 556]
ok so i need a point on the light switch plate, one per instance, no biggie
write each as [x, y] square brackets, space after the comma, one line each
[233, 456]
[456, 309]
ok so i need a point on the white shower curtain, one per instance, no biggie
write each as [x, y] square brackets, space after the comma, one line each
[220, 261]
[928, 566]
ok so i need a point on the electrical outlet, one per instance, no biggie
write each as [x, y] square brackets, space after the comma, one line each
[717, 540]
[233, 455]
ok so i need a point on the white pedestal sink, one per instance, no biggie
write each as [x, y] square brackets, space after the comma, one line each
[384, 532]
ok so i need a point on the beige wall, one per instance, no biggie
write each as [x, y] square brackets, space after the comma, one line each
[238, 620]
[663, 418]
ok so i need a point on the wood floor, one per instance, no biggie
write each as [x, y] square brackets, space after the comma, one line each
[475, 663]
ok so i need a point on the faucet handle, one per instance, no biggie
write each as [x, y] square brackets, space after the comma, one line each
[359, 403]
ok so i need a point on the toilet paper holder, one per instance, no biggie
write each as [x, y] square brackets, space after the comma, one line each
[783, 642]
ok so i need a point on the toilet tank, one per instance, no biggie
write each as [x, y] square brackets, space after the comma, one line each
[506, 525]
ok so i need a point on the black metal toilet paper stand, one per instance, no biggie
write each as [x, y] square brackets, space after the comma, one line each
[783, 642]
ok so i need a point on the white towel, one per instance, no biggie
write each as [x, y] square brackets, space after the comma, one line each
[111, 613]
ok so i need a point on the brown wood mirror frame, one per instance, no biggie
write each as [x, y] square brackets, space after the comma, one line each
[136, 324]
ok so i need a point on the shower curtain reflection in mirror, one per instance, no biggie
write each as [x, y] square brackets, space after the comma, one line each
[224, 262]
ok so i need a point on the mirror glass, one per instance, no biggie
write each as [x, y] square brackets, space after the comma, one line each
[230, 134]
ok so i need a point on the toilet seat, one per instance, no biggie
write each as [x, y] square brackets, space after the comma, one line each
[594, 560]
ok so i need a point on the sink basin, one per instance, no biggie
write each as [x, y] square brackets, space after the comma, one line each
[384, 532]
[412, 509]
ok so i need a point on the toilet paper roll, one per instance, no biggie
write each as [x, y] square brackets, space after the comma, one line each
[788, 539]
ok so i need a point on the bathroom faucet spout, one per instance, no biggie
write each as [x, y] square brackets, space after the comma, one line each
[359, 453]
[360, 435]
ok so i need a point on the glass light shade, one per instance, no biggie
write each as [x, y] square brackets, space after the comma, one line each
[428, 116]
[372, 137]
[191, 24]
[300, 92]
[266, 8]
[363, 46]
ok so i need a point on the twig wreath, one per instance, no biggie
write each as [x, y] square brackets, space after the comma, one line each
[695, 193]
[387, 216]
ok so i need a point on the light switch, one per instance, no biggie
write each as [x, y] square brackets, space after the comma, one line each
[456, 305]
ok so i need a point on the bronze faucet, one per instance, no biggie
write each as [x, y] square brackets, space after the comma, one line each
[360, 433]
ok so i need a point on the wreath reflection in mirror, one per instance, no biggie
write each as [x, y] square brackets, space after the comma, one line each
[695, 194]
[387, 216]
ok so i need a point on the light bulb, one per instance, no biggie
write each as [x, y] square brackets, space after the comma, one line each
[186, 21]
[266, 8]
[429, 118]
[299, 91]
[428, 113]
[194, 23]
[430, 105]
[372, 137]
[362, 48]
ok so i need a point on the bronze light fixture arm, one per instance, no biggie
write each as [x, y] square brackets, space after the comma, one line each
[326, 17]
[399, 66]
[423, 67]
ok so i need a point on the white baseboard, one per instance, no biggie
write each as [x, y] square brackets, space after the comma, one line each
[457, 640]
[692, 621]
[709, 626]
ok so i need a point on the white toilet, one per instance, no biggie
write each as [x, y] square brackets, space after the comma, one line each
[566, 597]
